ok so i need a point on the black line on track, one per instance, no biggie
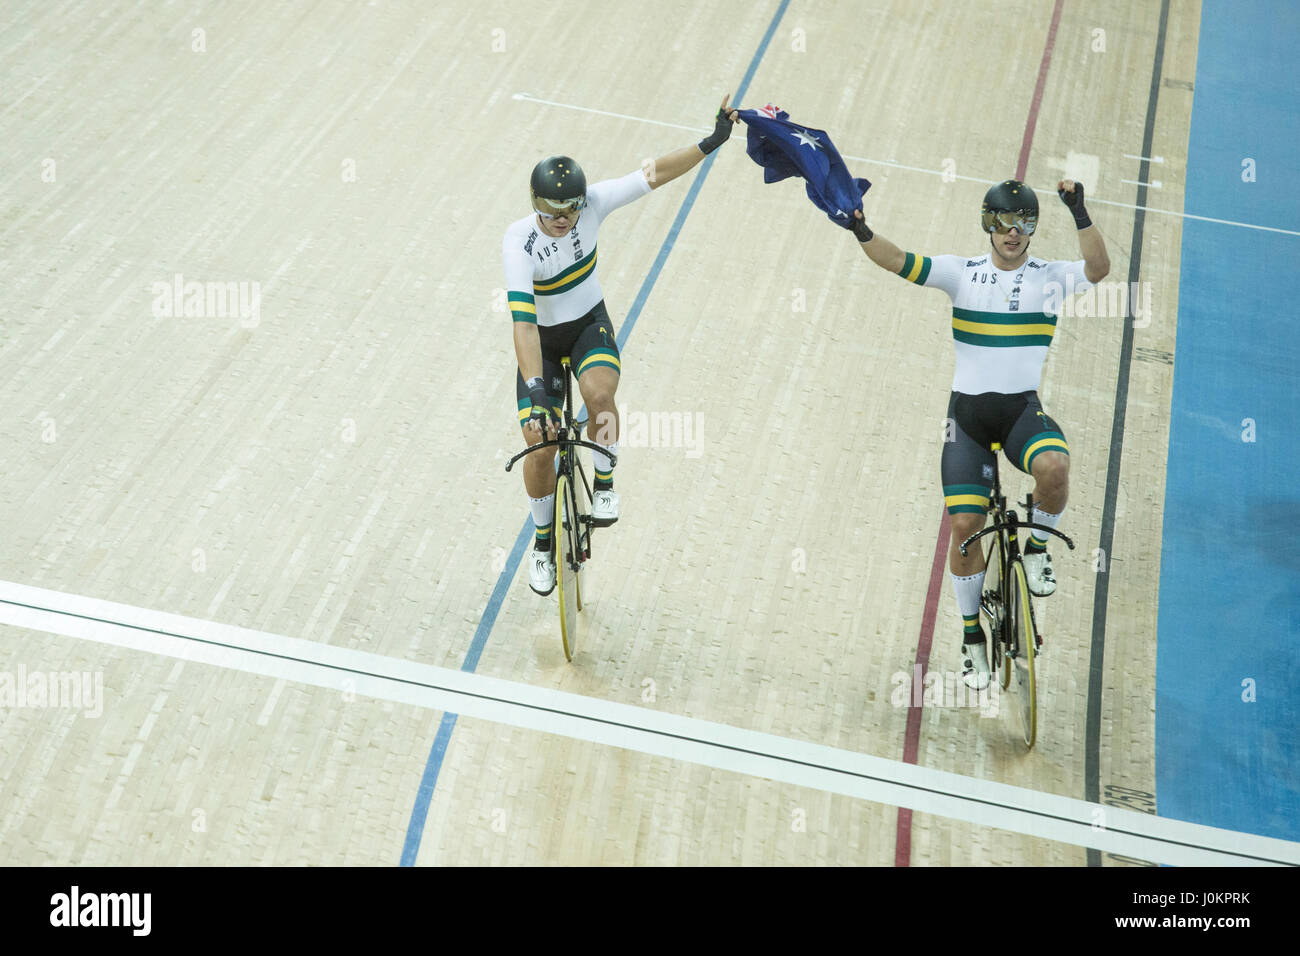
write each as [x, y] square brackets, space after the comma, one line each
[790, 761]
[1097, 658]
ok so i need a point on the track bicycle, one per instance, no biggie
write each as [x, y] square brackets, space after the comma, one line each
[573, 523]
[1014, 641]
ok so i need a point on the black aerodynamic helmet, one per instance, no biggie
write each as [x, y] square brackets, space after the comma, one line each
[558, 186]
[1010, 204]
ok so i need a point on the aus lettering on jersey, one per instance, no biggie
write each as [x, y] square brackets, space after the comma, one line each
[102, 909]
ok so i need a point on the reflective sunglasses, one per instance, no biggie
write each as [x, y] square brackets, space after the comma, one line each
[555, 208]
[1002, 221]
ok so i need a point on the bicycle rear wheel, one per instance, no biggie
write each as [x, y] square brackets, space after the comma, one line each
[568, 562]
[1022, 618]
[991, 604]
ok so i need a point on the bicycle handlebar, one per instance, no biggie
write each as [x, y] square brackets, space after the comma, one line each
[1020, 524]
[555, 442]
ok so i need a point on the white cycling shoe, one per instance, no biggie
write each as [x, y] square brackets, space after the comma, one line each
[541, 572]
[1038, 571]
[604, 507]
[975, 665]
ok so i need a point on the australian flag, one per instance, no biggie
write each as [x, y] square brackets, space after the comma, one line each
[787, 149]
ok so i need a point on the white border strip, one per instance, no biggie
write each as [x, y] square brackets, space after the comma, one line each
[876, 779]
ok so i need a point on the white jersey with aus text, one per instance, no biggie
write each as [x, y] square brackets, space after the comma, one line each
[1002, 321]
[551, 280]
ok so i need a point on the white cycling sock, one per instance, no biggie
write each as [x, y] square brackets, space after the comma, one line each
[604, 470]
[968, 590]
[1037, 539]
[543, 514]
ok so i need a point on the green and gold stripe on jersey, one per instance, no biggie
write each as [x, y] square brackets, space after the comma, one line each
[915, 268]
[966, 499]
[1044, 441]
[569, 279]
[1003, 329]
[526, 410]
[522, 307]
[599, 357]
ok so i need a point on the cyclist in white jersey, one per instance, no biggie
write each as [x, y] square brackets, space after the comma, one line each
[1005, 307]
[558, 310]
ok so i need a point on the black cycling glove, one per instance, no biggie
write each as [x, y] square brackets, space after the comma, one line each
[1074, 201]
[721, 132]
[541, 410]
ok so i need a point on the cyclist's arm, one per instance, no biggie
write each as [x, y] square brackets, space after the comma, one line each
[671, 165]
[613, 194]
[884, 253]
[1096, 263]
[681, 161]
[528, 350]
[937, 272]
[523, 306]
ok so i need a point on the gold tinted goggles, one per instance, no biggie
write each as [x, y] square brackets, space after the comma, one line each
[553, 208]
[1002, 221]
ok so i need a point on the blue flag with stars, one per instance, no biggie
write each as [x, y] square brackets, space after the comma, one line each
[787, 149]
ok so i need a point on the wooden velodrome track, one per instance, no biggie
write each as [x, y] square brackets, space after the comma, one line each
[327, 465]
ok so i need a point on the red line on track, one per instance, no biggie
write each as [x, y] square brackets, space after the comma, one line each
[912, 739]
[1023, 163]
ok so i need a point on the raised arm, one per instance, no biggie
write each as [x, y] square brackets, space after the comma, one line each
[933, 272]
[878, 249]
[680, 161]
[1096, 263]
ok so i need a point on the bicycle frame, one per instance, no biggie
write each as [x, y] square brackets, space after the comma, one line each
[567, 440]
[1008, 521]
[1007, 602]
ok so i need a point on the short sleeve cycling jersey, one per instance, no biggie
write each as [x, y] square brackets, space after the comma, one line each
[1002, 321]
[550, 281]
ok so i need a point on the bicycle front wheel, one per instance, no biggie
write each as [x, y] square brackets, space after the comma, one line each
[991, 603]
[582, 513]
[1022, 618]
[568, 561]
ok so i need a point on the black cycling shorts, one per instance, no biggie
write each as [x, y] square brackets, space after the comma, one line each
[588, 342]
[977, 422]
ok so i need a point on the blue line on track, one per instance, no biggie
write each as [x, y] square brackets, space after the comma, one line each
[432, 767]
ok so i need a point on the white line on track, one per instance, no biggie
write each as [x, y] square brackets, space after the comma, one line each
[804, 764]
[525, 97]
[528, 98]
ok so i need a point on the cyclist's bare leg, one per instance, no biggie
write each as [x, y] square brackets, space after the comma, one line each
[963, 526]
[539, 468]
[598, 386]
[1051, 471]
